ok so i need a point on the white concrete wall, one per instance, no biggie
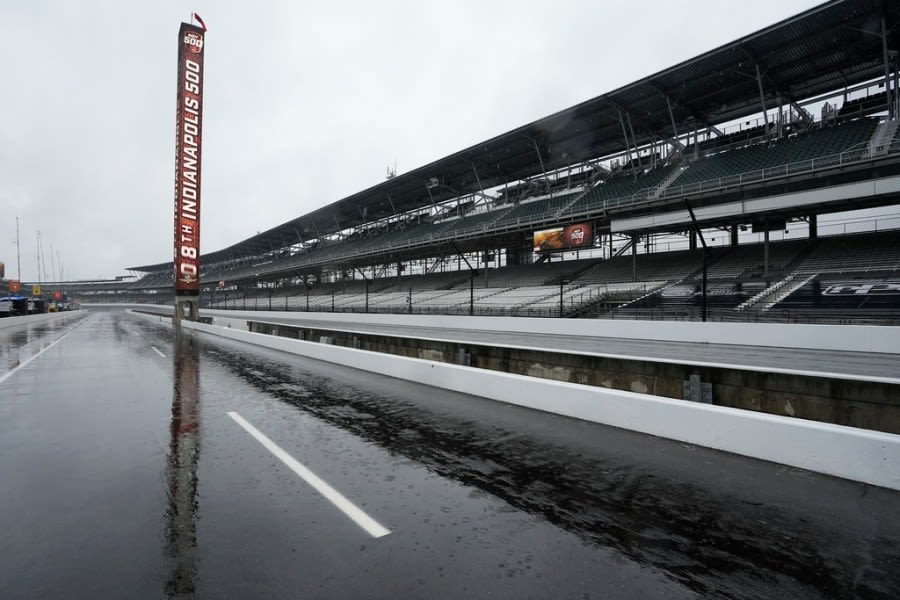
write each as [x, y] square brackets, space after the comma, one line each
[857, 454]
[851, 338]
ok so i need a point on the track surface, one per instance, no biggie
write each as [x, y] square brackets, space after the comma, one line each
[125, 476]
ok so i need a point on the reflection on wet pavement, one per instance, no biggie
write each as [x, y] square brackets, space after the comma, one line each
[181, 472]
[709, 536]
[19, 344]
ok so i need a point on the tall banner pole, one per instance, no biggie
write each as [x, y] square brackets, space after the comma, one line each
[188, 137]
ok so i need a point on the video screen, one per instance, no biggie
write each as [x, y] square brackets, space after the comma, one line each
[570, 237]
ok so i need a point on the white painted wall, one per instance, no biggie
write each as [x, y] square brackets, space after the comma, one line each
[856, 454]
[851, 338]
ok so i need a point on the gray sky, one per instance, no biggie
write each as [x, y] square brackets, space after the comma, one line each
[305, 102]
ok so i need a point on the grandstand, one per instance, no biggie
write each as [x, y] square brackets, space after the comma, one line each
[784, 125]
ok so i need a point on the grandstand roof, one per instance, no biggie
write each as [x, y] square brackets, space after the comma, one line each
[834, 45]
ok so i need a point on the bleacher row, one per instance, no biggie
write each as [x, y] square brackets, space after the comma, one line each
[538, 301]
[788, 155]
[619, 286]
[820, 144]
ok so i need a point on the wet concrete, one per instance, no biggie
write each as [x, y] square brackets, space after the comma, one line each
[125, 478]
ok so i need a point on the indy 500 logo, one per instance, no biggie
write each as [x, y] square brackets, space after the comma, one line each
[193, 41]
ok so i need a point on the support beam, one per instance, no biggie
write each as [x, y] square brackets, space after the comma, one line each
[762, 99]
[705, 259]
[631, 130]
[368, 282]
[477, 178]
[672, 118]
[540, 158]
[642, 123]
[807, 118]
[714, 129]
[625, 137]
[473, 272]
[887, 70]
[634, 245]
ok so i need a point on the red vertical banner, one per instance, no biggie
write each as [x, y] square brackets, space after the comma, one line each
[188, 136]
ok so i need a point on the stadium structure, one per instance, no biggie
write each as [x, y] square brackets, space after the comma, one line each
[666, 198]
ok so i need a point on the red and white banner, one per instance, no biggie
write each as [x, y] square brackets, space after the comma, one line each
[188, 137]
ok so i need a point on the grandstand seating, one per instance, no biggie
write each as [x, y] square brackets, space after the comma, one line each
[619, 187]
[548, 273]
[825, 141]
[666, 287]
[535, 210]
[854, 253]
[659, 266]
[862, 106]
[737, 138]
[747, 260]
[822, 142]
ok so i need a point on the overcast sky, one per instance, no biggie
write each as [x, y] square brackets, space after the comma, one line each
[305, 103]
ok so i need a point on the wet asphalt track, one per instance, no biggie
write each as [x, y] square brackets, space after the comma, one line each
[123, 476]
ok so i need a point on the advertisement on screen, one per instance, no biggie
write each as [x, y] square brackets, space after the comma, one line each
[570, 237]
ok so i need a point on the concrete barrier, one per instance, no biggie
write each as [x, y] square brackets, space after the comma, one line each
[850, 338]
[857, 454]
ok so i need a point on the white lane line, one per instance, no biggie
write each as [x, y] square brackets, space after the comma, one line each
[34, 356]
[135, 333]
[371, 526]
[155, 349]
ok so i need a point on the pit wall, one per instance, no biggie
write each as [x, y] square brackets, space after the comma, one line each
[852, 401]
[851, 338]
[860, 455]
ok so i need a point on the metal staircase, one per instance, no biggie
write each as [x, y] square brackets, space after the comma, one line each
[883, 136]
[670, 178]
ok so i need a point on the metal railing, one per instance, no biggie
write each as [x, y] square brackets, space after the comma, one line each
[679, 313]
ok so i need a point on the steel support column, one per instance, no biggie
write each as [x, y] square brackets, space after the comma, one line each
[672, 117]
[762, 99]
[540, 158]
[705, 260]
[625, 136]
[633, 139]
[887, 70]
[477, 179]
